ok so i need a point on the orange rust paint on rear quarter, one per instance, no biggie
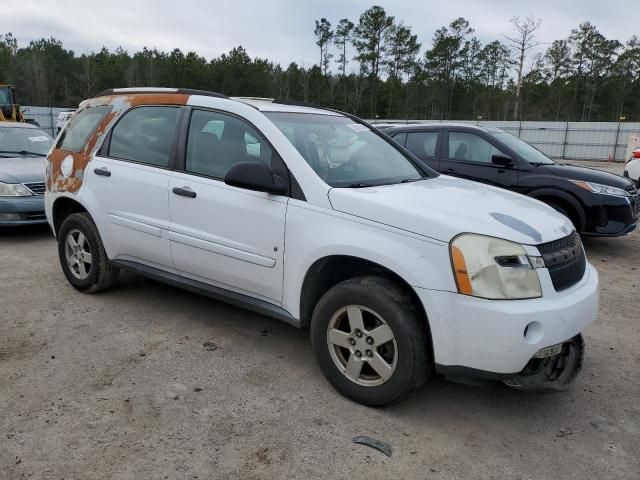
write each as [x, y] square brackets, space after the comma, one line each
[57, 182]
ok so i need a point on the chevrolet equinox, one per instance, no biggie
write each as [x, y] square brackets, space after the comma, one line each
[313, 217]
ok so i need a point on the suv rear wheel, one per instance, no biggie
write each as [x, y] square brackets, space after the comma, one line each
[82, 255]
[369, 341]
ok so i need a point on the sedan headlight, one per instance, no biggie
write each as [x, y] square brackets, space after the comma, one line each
[493, 268]
[14, 190]
[599, 188]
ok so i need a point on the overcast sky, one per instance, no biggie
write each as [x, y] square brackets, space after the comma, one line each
[282, 30]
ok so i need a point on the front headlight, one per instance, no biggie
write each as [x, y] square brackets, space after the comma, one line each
[14, 190]
[599, 188]
[493, 268]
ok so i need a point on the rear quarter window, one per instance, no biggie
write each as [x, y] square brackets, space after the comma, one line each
[80, 127]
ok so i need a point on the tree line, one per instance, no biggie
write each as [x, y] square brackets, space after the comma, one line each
[374, 67]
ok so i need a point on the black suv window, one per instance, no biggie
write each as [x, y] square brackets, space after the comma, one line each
[218, 141]
[464, 146]
[422, 144]
[80, 128]
[145, 135]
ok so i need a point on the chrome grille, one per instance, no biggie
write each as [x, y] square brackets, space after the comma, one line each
[36, 187]
[565, 260]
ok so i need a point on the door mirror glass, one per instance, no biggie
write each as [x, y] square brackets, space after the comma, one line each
[501, 159]
[255, 176]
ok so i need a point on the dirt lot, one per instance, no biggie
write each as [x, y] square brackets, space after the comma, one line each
[118, 385]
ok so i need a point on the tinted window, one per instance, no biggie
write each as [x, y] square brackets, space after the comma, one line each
[345, 153]
[145, 135]
[422, 144]
[217, 142]
[400, 138]
[522, 148]
[23, 141]
[470, 147]
[80, 128]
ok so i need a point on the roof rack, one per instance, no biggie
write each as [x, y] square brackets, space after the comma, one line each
[256, 99]
[146, 90]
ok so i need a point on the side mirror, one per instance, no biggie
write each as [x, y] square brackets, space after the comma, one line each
[255, 176]
[502, 160]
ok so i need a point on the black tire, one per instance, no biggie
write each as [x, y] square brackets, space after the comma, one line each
[102, 274]
[395, 307]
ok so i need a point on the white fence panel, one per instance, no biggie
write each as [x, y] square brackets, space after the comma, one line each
[44, 116]
[563, 140]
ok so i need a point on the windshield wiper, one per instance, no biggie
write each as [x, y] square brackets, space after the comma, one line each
[360, 185]
[408, 180]
[23, 152]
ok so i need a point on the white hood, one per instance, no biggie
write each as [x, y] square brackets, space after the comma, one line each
[443, 207]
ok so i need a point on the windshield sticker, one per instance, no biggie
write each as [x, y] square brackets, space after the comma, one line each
[41, 138]
[357, 127]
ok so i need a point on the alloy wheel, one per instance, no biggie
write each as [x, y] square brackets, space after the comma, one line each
[78, 254]
[362, 345]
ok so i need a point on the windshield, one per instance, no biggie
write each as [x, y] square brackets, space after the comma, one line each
[6, 97]
[24, 141]
[522, 148]
[345, 153]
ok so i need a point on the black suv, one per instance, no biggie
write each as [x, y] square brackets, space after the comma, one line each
[598, 203]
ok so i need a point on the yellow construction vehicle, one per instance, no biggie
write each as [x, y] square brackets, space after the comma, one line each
[9, 110]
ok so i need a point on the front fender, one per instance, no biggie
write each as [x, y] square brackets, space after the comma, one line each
[313, 233]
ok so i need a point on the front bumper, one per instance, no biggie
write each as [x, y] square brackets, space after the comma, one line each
[612, 216]
[22, 211]
[497, 338]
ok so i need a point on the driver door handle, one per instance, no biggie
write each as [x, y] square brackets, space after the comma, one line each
[184, 192]
[103, 172]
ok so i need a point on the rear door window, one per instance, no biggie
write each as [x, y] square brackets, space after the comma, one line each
[145, 135]
[400, 138]
[80, 127]
[422, 144]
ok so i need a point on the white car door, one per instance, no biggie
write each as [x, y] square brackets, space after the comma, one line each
[226, 236]
[130, 178]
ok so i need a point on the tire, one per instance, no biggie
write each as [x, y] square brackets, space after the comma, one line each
[377, 302]
[87, 276]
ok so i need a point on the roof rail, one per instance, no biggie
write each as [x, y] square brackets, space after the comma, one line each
[257, 99]
[298, 103]
[146, 90]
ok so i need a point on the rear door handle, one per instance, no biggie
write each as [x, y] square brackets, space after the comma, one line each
[185, 192]
[103, 172]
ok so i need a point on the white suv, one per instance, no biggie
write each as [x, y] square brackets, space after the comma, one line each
[316, 218]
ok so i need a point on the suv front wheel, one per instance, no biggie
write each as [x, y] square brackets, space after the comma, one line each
[370, 342]
[82, 255]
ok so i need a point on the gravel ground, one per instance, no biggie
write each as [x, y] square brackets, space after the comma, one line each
[119, 385]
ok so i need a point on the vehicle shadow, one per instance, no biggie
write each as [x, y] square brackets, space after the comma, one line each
[438, 395]
[611, 248]
[26, 232]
